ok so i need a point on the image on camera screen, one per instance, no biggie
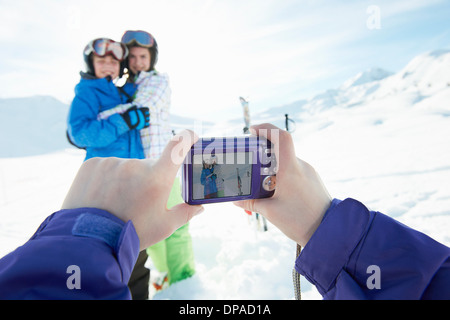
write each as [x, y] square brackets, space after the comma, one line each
[215, 176]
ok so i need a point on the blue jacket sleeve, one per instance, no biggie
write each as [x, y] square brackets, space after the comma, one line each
[82, 253]
[360, 254]
[84, 128]
[203, 177]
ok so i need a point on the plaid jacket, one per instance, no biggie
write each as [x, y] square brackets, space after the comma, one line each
[154, 93]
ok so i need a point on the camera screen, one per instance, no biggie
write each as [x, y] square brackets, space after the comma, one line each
[215, 176]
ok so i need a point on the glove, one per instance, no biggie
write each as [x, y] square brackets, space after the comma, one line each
[137, 118]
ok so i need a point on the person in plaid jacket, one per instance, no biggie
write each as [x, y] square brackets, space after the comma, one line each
[172, 257]
[154, 93]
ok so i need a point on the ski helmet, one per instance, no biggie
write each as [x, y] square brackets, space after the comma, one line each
[139, 38]
[102, 47]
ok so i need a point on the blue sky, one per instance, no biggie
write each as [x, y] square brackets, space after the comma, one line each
[274, 52]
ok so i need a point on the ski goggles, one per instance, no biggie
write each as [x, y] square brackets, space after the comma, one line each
[139, 37]
[102, 47]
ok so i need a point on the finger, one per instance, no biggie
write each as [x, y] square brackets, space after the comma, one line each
[265, 129]
[274, 134]
[249, 205]
[175, 152]
[182, 213]
[283, 144]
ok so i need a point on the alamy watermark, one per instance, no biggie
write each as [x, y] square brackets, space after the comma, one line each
[73, 17]
[373, 21]
[374, 280]
[227, 142]
[74, 280]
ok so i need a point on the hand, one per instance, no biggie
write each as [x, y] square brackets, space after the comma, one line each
[137, 118]
[136, 190]
[300, 198]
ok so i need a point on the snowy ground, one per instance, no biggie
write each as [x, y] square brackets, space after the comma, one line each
[386, 143]
[400, 166]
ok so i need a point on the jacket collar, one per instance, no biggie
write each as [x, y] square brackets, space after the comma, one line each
[88, 76]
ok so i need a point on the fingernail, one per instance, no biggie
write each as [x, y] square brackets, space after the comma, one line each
[200, 210]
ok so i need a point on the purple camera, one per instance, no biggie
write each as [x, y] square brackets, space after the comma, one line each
[229, 169]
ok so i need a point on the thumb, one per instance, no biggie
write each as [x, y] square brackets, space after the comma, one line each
[175, 152]
[182, 213]
[249, 205]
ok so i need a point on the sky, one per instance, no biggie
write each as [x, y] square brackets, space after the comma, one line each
[273, 52]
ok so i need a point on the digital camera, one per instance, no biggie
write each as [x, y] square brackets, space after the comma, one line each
[229, 169]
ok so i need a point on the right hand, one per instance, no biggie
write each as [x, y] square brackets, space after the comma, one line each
[137, 118]
[300, 200]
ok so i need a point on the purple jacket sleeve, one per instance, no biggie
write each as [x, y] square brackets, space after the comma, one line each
[360, 254]
[82, 253]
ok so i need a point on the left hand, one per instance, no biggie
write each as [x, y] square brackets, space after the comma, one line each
[136, 190]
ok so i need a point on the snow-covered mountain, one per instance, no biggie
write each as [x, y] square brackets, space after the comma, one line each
[371, 75]
[37, 125]
[424, 76]
[32, 125]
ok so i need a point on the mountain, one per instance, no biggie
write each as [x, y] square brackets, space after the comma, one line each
[32, 125]
[37, 125]
[368, 76]
[424, 76]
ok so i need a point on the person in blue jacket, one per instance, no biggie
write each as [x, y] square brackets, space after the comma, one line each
[116, 136]
[349, 251]
[208, 180]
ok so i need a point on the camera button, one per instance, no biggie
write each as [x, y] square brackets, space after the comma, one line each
[269, 183]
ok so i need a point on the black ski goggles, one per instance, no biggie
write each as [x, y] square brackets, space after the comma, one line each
[139, 37]
[103, 46]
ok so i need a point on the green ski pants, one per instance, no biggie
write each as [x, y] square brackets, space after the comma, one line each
[174, 255]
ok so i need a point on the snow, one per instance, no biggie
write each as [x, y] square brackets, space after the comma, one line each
[382, 138]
